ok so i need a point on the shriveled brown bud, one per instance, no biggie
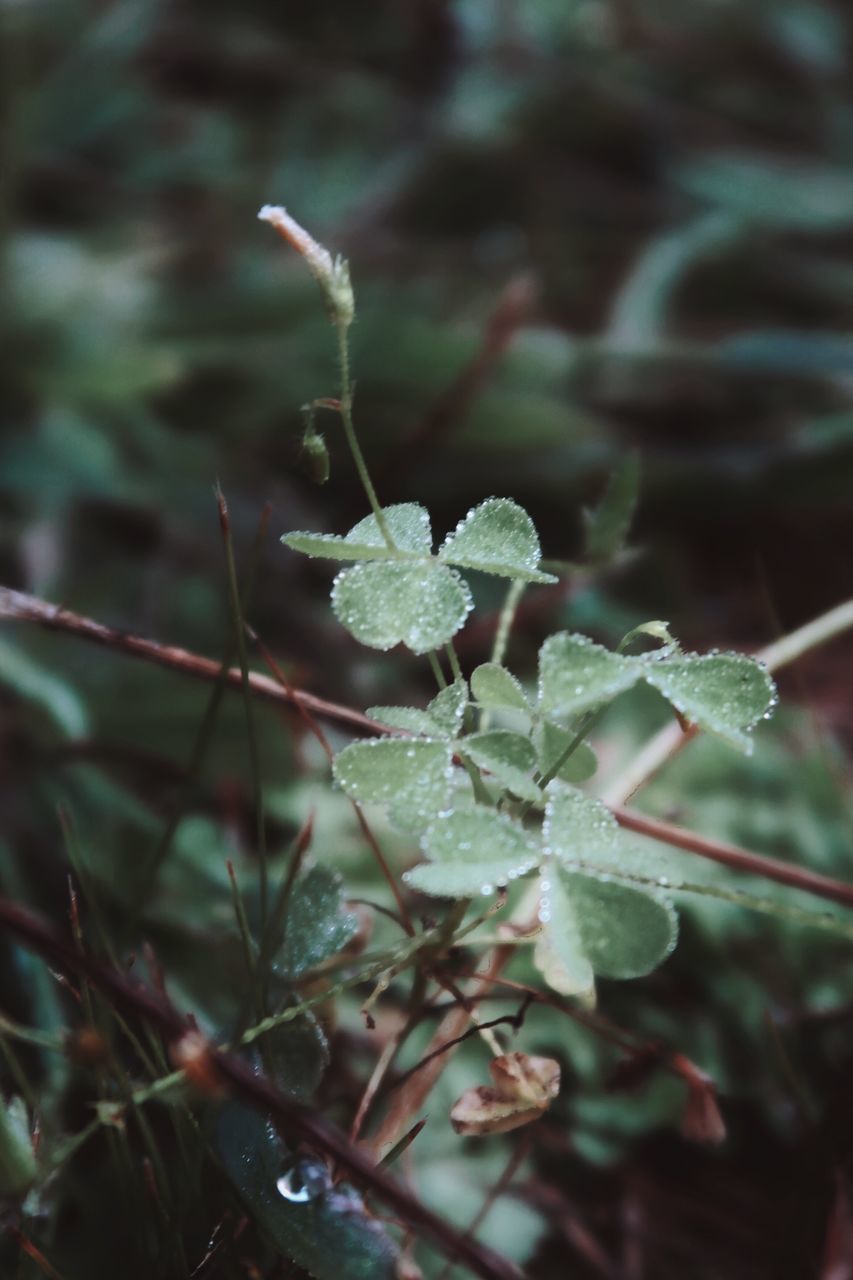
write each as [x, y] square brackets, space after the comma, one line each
[193, 1054]
[523, 1089]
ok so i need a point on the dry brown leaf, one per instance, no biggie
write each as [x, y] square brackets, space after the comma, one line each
[523, 1089]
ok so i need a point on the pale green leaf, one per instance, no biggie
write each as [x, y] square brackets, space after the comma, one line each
[584, 835]
[551, 740]
[510, 757]
[576, 674]
[27, 679]
[408, 524]
[497, 537]
[725, 693]
[472, 852]
[579, 826]
[411, 777]
[412, 719]
[420, 605]
[493, 686]
[448, 708]
[606, 526]
[325, 1229]
[626, 932]
[599, 925]
[560, 952]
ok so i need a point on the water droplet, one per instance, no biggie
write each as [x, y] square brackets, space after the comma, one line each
[303, 1182]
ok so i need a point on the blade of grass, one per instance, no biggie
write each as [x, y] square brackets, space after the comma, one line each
[254, 754]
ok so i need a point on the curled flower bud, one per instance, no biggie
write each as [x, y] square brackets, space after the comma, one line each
[332, 275]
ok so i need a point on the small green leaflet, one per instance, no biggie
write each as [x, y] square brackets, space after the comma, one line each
[510, 757]
[495, 688]
[448, 708]
[596, 917]
[724, 693]
[498, 537]
[412, 778]
[408, 524]
[599, 925]
[473, 851]
[421, 605]
[576, 674]
[402, 593]
[442, 718]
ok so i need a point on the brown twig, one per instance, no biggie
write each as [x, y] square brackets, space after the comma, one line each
[17, 606]
[731, 855]
[508, 1019]
[307, 1125]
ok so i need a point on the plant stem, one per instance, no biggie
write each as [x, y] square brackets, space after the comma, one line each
[352, 439]
[435, 667]
[254, 755]
[505, 620]
[589, 720]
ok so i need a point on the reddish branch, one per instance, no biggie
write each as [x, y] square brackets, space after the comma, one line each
[16, 605]
[738, 859]
[303, 1123]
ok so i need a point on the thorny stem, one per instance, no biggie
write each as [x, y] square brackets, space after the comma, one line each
[352, 438]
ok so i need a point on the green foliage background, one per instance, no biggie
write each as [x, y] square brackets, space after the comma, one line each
[666, 191]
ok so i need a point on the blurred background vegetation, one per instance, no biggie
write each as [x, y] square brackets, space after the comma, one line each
[576, 228]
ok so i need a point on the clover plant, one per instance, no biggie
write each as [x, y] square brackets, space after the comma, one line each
[485, 777]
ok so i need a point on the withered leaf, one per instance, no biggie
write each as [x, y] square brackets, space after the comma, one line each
[523, 1088]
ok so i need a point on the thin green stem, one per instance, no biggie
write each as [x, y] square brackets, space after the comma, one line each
[352, 438]
[435, 667]
[251, 733]
[506, 619]
[398, 959]
[501, 641]
[588, 722]
[205, 728]
[453, 659]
